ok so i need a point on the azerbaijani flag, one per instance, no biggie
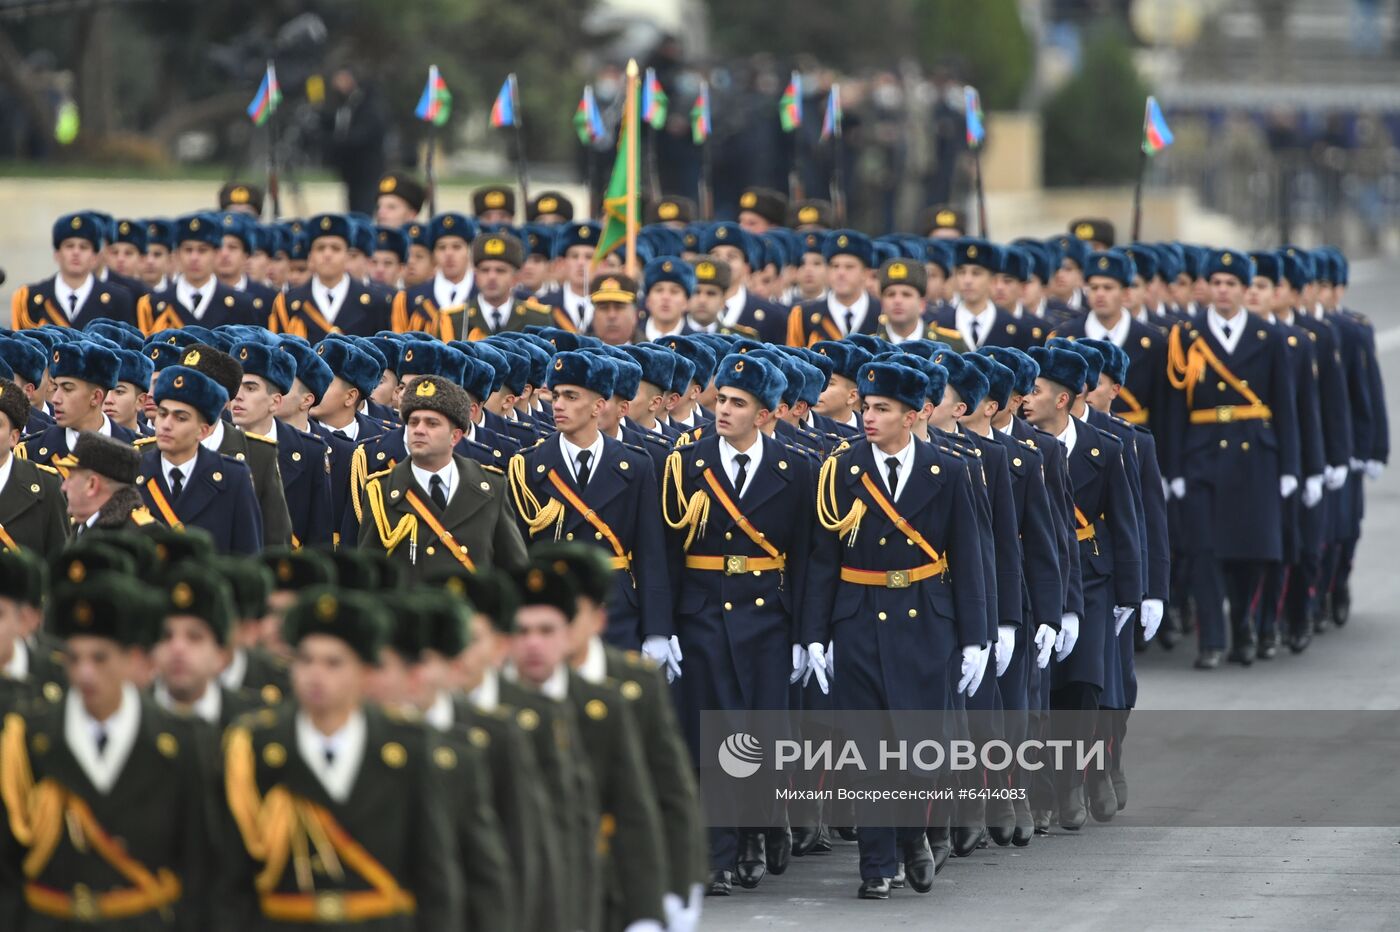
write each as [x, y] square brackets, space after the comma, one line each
[790, 105]
[503, 110]
[435, 105]
[1155, 134]
[700, 124]
[654, 101]
[269, 95]
[976, 132]
[588, 120]
[831, 122]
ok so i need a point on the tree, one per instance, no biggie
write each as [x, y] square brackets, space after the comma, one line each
[1093, 123]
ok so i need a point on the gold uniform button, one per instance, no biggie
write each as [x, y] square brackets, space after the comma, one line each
[882, 616]
[539, 468]
[34, 488]
[699, 463]
[934, 469]
[728, 535]
[729, 606]
[597, 535]
[913, 613]
[1224, 444]
[1244, 445]
[218, 477]
[1220, 386]
[431, 550]
[296, 456]
[569, 536]
[485, 486]
[909, 541]
[758, 602]
[856, 469]
[622, 465]
[882, 542]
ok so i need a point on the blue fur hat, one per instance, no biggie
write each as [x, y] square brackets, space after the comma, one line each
[352, 364]
[813, 381]
[1023, 368]
[1268, 264]
[669, 269]
[132, 232]
[700, 355]
[1111, 263]
[125, 335]
[1228, 262]
[937, 375]
[85, 361]
[199, 228]
[25, 357]
[1072, 248]
[160, 232]
[1145, 259]
[493, 357]
[517, 373]
[1061, 367]
[1014, 261]
[329, 225]
[530, 346]
[759, 377]
[1296, 267]
[478, 377]
[425, 358]
[971, 384]
[134, 367]
[269, 362]
[244, 227]
[786, 365]
[46, 338]
[562, 340]
[972, 250]
[181, 383]
[1039, 257]
[813, 358]
[627, 373]
[78, 226]
[847, 358]
[904, 384]
[1115, 358]
[163, 355]
[1093, 359]
[391, 239]
[925, 348]
[729, 233]
[868, 342]
[658, 364]
[200, 335]
[735, 344]
[999, 378]
[849, 243]
[594, 373]
[577, 233]
[311, 370]
[683, 376]
[939, 252]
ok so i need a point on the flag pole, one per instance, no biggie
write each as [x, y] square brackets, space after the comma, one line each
[630, 115]
[522, 169]
[429, 170]
[1137, 193]
[838, 171]
[707, 167]
[981, 193]
[274, 193]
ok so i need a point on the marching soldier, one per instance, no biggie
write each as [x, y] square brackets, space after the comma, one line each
[333, 301]
[82, 374]
[105, 792]
[439, 509]
[185, 483]
[980, 322]
[101, 485]
[740, 251]
[401, 197]
[902, 285]
[573, 251]
[73, 296]
[847, 307]
[496, 259]
[429, 305]
[338, 806]
[32, 511]
[196, 297]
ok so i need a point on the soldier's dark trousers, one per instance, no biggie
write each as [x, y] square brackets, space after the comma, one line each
[1073, 717]
[1213, 581]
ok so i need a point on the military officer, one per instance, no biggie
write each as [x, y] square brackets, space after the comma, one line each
[185, 483]
[82, 374]
[246, 665]
[572, 250]
[581, 484]
[339, 412]
[365, 841]
[980, 322]
[496, 259]
[836, 409]
[900, 615]
[100, 487]
[105, 792]
[427, 306]
[32, 511]
[437, 508]
[333, 301]
[1232, 450]
[313, 380]
[847, 307]
[740, 250]
[73, 296]
[197, 296]
[238, 255]
[401, 197]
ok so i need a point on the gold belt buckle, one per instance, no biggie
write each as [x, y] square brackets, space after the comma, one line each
[896, 579]
[84, 904]
[1225, 413]
[736, 565]
[330, 907]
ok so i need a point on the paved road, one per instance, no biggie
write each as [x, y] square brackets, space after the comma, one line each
[1109, 877]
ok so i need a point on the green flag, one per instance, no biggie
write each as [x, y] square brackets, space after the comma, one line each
[618, 199]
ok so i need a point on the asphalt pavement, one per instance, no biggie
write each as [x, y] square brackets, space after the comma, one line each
[1146, 878]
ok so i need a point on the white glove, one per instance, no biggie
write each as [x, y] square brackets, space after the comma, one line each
[1044, 644]
[645, 925]
[683, 916]
[1069, 634]
[830, 658]
[664, 653]
[1178, 487]
[1374, 468]
[1357, 465]
[799, 663]
[1336, 477]
[1287, 485]
[1006, 644]
[1151, 617]
[970, 657]
[1121, 614]
[1312, 491]
[984, 654]
[816, 663]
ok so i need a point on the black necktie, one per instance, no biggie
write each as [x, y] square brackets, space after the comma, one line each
[341, 434]
[583, 457]
[72, 305]
[437, 491]
[101, 740]
[976, 335]
[1226, 329]
[177, 483]
[330, 756]
[892, 468]
[498, 319]
[742, 473]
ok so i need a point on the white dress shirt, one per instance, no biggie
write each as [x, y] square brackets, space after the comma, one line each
[578, 307]
[5, 469]
[216, 437]
[440, 714]
[1237, 324]
[495, 315]
[594, 668]
[654, 333]
[556, 687]
[330, 300]
[186, 470]
[1118, 333]
[571, 453]
[896, 339]
[447, 473]
[969, 324]
[197, 299]
[347, 747]
[71, 435]
[728, 451]
[80, 730]
[734, 307]
[487, 695]
[232, 675]
[1069, 436]
[206, 708]
[63, 293]
[848, 317]
[906, 466]
[446, 294]
[17, 667]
